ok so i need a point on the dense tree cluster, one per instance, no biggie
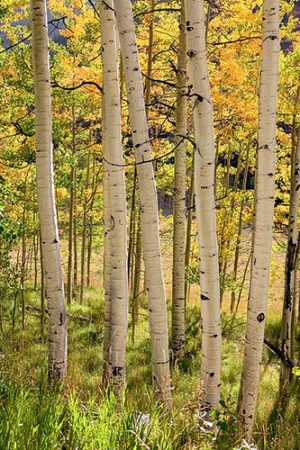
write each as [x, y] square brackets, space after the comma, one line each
[130, 131]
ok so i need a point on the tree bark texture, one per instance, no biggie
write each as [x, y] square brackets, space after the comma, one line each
[148, 200]
[204, 176]
[263, 221]
[45, 189]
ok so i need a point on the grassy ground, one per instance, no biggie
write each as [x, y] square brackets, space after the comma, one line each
[82, 418]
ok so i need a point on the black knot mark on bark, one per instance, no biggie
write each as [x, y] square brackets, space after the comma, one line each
[261, 317]
[191, 53]
[112, 223]
[204, 297]
[62, 318]
[188, 26]
[55, 241]
[117, 371]
[212, 374]
[292, 255]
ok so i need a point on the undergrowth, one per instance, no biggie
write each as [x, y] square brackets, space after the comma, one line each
[81, 417]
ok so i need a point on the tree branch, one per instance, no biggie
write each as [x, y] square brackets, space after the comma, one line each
[83, 83]
[285, 359]
[151, 11]
[53, 22]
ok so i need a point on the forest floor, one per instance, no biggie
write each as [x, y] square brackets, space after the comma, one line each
[81, 418]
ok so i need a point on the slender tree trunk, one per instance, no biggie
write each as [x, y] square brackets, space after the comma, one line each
[118, 239]
[138, 247]
[263, 222]
[71, 212]
[71, 216]
[216, 161]
[205, 203]
[296, 307]
[290, 269]
[227, 221]
[106, 260]
[132, 229]
[90, 225]
[239, 232]
[75, 241]
[35, 256]
[84, 229]
[243, 283]
[89, 251]
[189, 231]
[23, 265]
[178, 275]
[137, 273]
[45, 189]
[148, 201]
[136, 280]
[42, 292]
[295, 142]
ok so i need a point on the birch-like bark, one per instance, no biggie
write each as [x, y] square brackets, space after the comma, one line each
[90, 224]
[263, 221]
[118, 233]
[189, 230]
[205, 202]
[106, 263]
[178, 275]
[45, 190]
[84, 229]
[290, 290]
[71, 212]
[239, 232]
[148, 200]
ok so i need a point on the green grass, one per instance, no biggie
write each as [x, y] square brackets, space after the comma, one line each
[81, 417]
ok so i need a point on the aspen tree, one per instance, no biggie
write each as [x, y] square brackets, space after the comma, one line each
[148, 200]
[71, 212]
[205, 202]
[178, 276]
[290, 268]
[106, 264]
[84, 229]
[239, 231]
[263, 221]
[138, 245]
[90, 224]
[189, 224]
[118, 283]
[45, 190]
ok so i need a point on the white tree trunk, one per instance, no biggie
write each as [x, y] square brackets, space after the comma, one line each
[205, 202]
[118, 289]
[178, 278]
[45, 190]
[106, 261]
[263, 222]
[148, 200]
[291, 265]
